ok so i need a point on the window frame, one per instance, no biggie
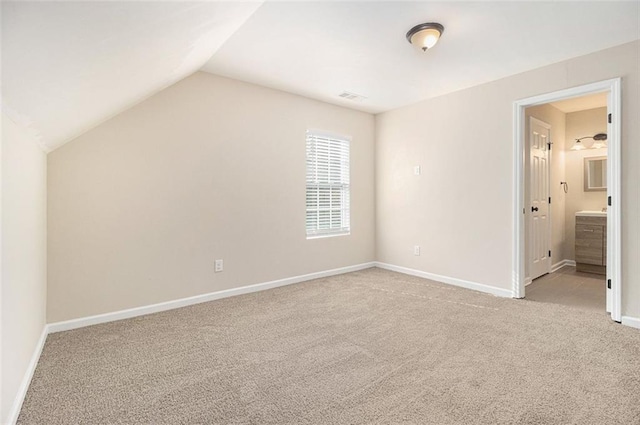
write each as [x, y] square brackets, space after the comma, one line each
[341, 186]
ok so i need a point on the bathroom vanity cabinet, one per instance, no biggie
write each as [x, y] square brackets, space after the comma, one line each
[591, 243]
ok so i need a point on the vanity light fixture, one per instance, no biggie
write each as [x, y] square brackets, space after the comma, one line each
[425, 36]
[599, 141]
[578, 146]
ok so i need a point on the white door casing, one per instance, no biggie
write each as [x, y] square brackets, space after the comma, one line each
[613, 237]
[539, 221]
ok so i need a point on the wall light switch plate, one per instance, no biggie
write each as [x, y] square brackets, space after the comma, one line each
[219, 266]
[416, 250]
[417, 170]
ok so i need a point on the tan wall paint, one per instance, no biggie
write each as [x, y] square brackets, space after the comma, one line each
[580, 124]
[142, 205]
[24, 236]
[556, 119]
[460, 209]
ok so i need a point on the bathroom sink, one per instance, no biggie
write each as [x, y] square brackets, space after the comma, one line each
[591, 214]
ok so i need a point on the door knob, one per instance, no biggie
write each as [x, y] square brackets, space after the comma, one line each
[534, 209]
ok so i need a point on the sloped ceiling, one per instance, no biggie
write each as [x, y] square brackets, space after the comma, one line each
[320, 49]
[68, 66]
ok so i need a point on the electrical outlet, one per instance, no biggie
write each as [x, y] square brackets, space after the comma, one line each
[416, 250]
[417, 170]
[219, 266]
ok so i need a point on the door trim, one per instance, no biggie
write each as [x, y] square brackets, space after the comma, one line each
[614, 177]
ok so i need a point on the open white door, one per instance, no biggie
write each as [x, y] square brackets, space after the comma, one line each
[539, 143]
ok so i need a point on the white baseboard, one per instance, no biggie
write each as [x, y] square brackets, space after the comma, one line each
[554, 268]
[634, 322]
[448, 280]
[183, 302]
[560, 264]
[26, 380]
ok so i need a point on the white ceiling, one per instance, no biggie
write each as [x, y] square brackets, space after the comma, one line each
[320, 49]
[583, 103]
[68, 66]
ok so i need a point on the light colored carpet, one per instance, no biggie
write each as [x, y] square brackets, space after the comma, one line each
[366, 347]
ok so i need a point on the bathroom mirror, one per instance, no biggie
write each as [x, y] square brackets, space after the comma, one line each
[595, 173]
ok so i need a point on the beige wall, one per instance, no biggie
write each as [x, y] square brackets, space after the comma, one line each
[581, 124]
[460, 209]
[556, 119]
[142, 205]
[23, 248]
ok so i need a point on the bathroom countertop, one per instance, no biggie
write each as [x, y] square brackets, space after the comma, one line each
[591, 214]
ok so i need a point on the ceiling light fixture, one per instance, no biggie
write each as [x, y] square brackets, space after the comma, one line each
[425, 36]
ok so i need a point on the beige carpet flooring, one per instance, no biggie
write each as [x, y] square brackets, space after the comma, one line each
[362, 348]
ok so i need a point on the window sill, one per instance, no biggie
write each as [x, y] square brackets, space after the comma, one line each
[331, 235]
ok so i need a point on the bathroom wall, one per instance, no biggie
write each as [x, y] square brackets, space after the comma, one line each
[556, 119]
[581, 124]
[568, 165]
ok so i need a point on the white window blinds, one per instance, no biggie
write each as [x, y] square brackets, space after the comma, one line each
[327, 185]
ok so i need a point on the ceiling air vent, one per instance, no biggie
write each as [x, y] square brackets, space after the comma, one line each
[351, 96]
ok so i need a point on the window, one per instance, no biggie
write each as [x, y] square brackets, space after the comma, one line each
[327, 185]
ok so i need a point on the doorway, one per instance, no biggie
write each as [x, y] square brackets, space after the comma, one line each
[532, 234]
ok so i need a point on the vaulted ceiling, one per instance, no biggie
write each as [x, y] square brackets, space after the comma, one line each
[67, 66]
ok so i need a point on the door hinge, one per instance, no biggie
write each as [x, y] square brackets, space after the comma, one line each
[609, 118]
[609, 201]
[549, 145]
[608, 283]
[549, 199]
[549, 253]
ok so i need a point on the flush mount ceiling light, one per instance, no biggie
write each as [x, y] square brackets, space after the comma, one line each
[425, 36]
[598, 142]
